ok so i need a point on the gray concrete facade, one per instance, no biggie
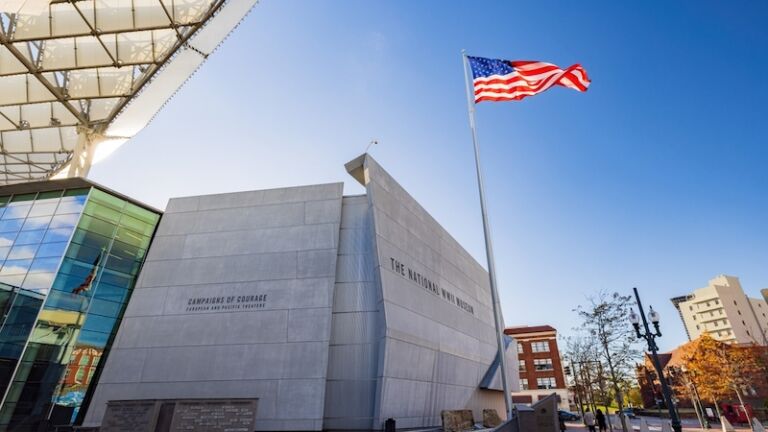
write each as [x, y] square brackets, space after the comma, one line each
[438, 339]
[234, 301]
[371, 310]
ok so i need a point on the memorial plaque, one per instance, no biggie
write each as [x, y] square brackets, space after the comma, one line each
[229, 415]
[130, 416]
[195, 415]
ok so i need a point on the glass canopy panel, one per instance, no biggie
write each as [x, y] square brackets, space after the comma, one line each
[101, 67]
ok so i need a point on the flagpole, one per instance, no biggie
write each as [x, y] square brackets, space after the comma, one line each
[488, 243]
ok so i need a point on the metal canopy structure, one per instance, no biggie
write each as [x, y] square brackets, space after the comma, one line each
[80, 77]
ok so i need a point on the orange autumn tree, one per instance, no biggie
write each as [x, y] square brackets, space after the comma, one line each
[719, 370]
[704, 360]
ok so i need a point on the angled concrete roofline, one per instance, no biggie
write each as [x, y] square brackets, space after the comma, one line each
[356, 168]
[68, 183]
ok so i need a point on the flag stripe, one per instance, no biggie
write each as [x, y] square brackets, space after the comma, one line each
[500, 80]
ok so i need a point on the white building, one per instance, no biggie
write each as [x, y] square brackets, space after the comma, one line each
[725, 312]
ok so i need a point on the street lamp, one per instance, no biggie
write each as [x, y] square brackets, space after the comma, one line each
[650, 338]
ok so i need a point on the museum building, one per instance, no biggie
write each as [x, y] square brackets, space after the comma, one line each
[286, 309]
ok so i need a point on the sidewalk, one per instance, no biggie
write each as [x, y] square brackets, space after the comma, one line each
[579, 427]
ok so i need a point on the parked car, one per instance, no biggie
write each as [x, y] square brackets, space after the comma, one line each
[629, 413]
[568, 416]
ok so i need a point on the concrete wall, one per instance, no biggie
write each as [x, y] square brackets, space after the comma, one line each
[435, 351]
[281, 243]
[357, 324]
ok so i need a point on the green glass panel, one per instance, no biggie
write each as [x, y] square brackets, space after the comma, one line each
[23, 197]
[99, 323]
[102, 212]
[4, 199]
[111, 293]
[76, 192]
[142, 214]
[105, 308]
[60, 300]
[73, 267]
[137, 225]
[47, 195]
[106, 199]
[132, 238]
[97, 226]
[90, 239]
[123, 265]
[119, 280]
[94, 338]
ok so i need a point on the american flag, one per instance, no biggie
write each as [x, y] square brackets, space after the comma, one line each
[503, 80]
[88, 281]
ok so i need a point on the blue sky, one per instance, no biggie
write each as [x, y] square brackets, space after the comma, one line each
[655, 178]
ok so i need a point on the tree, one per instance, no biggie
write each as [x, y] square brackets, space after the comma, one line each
[718, 369]
[634, 396]
[606, 318]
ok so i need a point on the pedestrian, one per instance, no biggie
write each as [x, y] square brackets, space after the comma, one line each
[589, 420]
[600, 417]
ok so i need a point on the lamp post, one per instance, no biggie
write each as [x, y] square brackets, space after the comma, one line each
[650, 338]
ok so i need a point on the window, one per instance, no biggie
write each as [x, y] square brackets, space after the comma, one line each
[523, 384]
[521, 365]
[540, 346]
[717, 301]
[690, 307]
[545, 383]
[519, 348]
[694, 317]
[739, 312]
[711, 313]
[734, 303]
[697, 327]
[543, 364]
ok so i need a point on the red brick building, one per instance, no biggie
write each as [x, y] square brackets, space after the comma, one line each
[541, 371]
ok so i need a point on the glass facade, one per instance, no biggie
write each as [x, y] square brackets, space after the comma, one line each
[70, 259]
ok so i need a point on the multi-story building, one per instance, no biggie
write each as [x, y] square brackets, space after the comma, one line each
[725, 312]
[541, 371]
[70, 252]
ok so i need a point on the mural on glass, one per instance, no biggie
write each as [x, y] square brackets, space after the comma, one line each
[69, 262]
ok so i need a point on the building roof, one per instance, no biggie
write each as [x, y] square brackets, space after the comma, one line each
[68, 183]
[528, 329]
[79, 78]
